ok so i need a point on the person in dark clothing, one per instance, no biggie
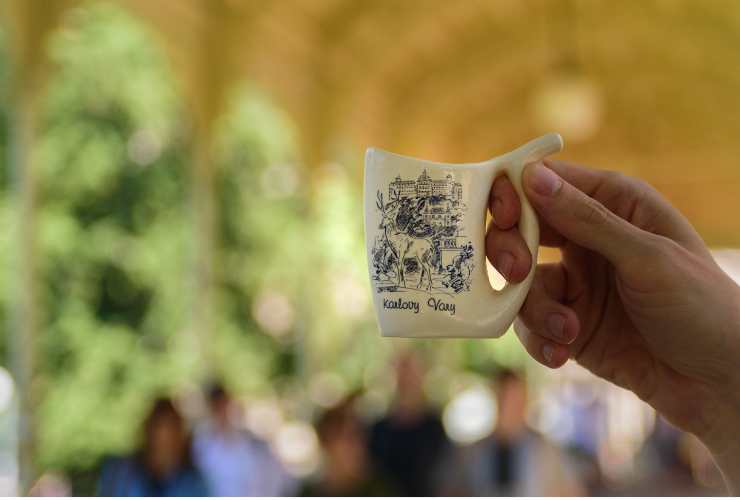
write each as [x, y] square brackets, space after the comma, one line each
[162, 466]
[347, 467]
[410, 441]
[513, 460]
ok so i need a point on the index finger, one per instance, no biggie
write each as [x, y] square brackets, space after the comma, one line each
[504, 203]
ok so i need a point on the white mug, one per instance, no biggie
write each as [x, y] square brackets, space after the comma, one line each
[425, 240]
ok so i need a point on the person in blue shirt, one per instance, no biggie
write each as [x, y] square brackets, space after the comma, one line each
[162, 466]
[235, 462]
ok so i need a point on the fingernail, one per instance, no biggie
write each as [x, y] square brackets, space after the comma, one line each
[556, 325]
[497, 206]
[504, 263]
[543, 180]
[547, 351]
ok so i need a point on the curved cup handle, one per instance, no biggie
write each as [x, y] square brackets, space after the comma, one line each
[509, 300]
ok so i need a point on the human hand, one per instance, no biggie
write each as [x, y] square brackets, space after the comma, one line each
[637, 298]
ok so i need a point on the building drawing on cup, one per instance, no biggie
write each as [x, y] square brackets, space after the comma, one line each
[424, 186]
[420, 244]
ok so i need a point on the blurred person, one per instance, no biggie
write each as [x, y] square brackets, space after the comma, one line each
[637, 297]
[162, 466]
[233, 460]
[408, 443]
[582, 418]
[666, 466]
[588, 413]
[347, 468]
[587, 469]
[513, 460]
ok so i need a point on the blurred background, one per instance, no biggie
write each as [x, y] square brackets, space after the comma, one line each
[181, 218]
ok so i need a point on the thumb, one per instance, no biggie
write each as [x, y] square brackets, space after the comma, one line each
[582, 219]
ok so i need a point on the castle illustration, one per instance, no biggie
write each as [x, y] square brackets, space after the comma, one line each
[424, 187]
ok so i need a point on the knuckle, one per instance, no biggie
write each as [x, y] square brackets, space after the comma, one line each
[656, 244]
[628, 184]
[614, 177]
[639, 184]
[610, 174]
[653, 262]
[669, 254]
[525, 319]
[638, 187]
[648, 190]
[592, 213]
[502, 186]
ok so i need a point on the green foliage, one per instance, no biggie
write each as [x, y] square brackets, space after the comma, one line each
[112, 166]
[116, 241]
[5, 202]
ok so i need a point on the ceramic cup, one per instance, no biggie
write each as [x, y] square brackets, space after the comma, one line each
[425, 239]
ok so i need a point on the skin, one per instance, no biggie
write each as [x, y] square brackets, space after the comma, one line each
[346, 457]
[167, 446]
[511, 397]
[410, 403]
[637, 298]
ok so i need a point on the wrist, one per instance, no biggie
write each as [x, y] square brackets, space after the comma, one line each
[721, 436]
[727, 459]
[724, 439]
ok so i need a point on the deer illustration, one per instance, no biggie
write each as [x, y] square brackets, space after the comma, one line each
[404, 245]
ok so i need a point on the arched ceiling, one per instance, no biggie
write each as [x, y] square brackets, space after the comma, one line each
[461, 81]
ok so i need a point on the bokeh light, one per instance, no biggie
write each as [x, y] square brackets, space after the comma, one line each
[572, 105]
[279, 181]
[274, 313]
[264, 417]
[7, 389]
[470, 415]
[297, 447]
[327, 389]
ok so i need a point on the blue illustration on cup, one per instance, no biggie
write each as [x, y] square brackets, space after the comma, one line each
[421, 243]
